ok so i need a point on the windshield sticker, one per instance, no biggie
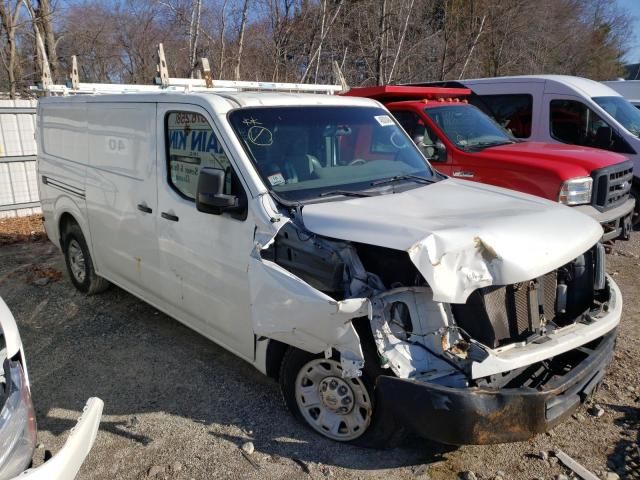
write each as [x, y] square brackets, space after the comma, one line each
[384, 120]
[276, 179]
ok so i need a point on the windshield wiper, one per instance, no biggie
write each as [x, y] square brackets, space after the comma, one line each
[490, 144]
[346, 193]
[397, 178]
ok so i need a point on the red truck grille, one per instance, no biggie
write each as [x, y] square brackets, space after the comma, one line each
[611, 185]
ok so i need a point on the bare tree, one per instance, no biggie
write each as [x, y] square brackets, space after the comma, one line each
[9, 12]
[243, 26]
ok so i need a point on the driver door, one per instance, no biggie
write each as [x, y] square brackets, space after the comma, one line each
[204, 257]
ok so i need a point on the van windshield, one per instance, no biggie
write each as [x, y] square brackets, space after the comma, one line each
[305, 153]
[468, 127]
[622, 111]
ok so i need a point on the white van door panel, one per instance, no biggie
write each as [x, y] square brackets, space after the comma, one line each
[121, 193]
[204, 256]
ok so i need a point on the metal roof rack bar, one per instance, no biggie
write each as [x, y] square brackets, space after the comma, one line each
[165, 83]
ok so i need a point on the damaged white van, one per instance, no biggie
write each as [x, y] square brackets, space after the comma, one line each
[308, 235]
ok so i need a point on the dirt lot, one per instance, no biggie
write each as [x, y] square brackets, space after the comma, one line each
[178, 406]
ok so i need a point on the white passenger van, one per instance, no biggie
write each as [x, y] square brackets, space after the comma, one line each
[308, 235]
[564, 109]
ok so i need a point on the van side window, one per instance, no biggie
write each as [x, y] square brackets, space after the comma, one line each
[513, 112]
[574, 123]
[192, 144]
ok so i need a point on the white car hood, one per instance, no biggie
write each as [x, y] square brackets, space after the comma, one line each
[462, 235]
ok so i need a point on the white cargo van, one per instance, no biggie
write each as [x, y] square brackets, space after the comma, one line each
[564, 109]
[308, 235]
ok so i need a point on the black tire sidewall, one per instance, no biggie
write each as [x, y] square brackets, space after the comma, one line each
[74, 233]
[635, 193]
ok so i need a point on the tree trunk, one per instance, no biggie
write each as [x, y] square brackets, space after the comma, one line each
[243, 25]
[8, 24]
[44, 18]
[381, 35]
[194, 35]
[222, 40]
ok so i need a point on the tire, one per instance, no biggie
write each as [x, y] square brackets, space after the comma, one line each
[79, 263]
[347, 405]
[635, 219]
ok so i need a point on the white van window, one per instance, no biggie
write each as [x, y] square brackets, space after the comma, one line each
[513, 111]
[573, 122]
[622, 111]
[192, 144]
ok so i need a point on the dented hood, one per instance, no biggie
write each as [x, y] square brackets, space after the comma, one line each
[462, 235]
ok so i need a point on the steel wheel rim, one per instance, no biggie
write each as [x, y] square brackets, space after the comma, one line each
[76, 261]
[338, 408]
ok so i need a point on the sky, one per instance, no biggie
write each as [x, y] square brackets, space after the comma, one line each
[633, 7]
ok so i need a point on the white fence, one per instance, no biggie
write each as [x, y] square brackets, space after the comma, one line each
[18, 181]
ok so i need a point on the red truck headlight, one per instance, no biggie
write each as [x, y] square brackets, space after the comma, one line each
[576, 191]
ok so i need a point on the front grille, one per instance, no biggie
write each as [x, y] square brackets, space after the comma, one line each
[611, 185]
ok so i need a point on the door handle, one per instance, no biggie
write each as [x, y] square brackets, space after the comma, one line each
[169, 216]
[143, 208]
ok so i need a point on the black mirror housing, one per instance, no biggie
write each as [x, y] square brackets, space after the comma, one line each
[210, 196]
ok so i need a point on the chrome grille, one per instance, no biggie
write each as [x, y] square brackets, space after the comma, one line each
[611, 185]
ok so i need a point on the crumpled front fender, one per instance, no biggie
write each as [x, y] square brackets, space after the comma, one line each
[286, 308]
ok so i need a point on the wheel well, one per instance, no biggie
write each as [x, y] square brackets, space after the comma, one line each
[277, 349]
[275, 354]
[66, 220]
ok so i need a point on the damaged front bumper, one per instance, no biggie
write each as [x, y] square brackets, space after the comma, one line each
[462, 416]
[482, 416]
[18, 431]
[17, 422]
[65, 464]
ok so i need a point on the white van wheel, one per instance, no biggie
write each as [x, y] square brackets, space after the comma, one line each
[76, 261]
[337, 408]
[79, 262]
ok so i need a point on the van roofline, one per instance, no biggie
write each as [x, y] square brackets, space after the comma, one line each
[218, 99]
[584, 86]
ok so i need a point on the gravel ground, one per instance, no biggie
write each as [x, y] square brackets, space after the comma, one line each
[178, 406]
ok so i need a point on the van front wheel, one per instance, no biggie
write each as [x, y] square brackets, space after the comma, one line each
[339, 408]
[79, 263]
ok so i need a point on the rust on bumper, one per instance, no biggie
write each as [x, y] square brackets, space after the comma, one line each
[462, 416]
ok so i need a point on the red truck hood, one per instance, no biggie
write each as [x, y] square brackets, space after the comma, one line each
[539, 154]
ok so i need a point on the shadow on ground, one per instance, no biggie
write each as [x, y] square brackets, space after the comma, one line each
[140, 361]
[625, 458]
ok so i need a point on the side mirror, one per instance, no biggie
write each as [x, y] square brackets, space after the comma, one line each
[210, 196]
[428, 151]
[438, 152]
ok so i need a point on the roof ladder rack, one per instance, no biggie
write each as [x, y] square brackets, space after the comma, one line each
[165, 83]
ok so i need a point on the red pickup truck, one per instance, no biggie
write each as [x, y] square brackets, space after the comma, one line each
[461, 141]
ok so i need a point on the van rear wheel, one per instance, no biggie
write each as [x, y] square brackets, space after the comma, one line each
[79, 262]
[342, 409]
